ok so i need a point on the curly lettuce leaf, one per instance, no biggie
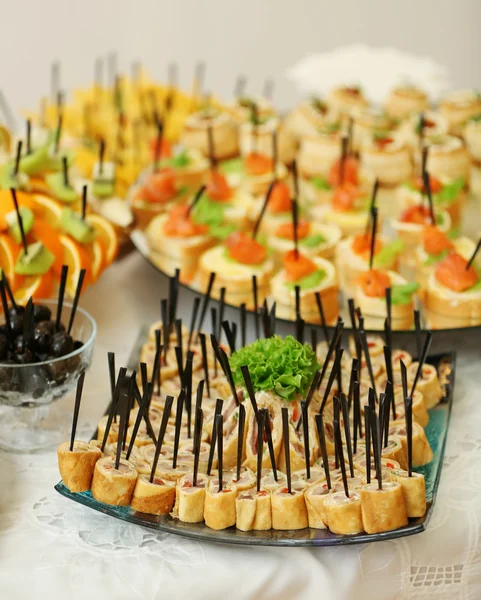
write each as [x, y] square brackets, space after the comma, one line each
[388, 253]
[284, 366]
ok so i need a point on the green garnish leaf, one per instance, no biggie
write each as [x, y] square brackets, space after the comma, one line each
[329, 128]
[388, 253]
[233, 166]
[435, 258]
[311, 241]
[320, 183]
[454, 233]
[284, 366]
[402, 294]
[475, 287]
[309, 281]
[179, 160]
[450, 192]
[208, 212]
[222, 232]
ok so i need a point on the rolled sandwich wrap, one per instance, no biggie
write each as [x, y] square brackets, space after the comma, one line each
[155, 498]
[314, 498]
[414, 491]
[186, 455]
[429, 385]
[289, 509]
[246, 481]
[264, 400]
[113, 431]
[383, 510]
[224, 130]
[420, 413]
[394, 450]
[317, 475]
[114, 486]
[190, 499]
[231, 430]
[77, 466]
[343, 513]
[297, 450]
[253, 510]
[422, 453]
[219, 507]
[269, 483]
[165, 470]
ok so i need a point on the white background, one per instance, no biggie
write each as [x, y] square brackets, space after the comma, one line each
[259, 38]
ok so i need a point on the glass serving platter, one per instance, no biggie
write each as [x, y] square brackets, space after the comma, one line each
[436, 432]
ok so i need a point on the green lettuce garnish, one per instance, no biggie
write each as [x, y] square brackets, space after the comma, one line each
[284, 366]
[475, 287]
[179, 160]
[311, 241]
[402, 294]
[232, 166]
[211, 213]
[309, 281]
[320, 183]
[454, 233]
[388, 253]
[449, 192]
[435, 258]
[329, 128]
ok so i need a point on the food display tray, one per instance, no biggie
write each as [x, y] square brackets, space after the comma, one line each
[140, 242]
[436, 432]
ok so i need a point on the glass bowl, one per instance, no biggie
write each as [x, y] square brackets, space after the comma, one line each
[27, 422]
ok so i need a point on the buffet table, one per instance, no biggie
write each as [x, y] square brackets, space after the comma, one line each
[50, 547]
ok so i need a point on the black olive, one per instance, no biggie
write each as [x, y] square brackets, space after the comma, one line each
[18, 344]
[42, 313]
[62, 344]
[25, 357]
[16, 322]
[18, 310]
[77, 344]
[42, 339]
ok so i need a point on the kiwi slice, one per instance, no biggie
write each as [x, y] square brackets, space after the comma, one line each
[73, 224]
[8, 180]
[103, 189]
[35, 162]
[62, 192]
[12, 221]
[37, 260]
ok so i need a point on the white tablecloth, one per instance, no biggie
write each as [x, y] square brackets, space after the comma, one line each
[53, 548]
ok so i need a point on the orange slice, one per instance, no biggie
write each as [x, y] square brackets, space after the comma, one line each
[46, 209]
[9, 252]
[7, 205]
[36, 287]
[96, 253]
[76, 257]
[106, 236]
[45, 233]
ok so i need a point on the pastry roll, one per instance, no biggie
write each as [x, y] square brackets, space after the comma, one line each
[77, 466]
[219, 507]
[246, 481]
[289, 510]
[113, 431]
[414, 491]
[383, 510]
[186, 455]
[264, 400]
[345, 99]
[314, 498]
[253, 510]
[190, 500]
[261, 140]
[343, 513]
[422, 453]
[114, 486]
[429, 385]
[165, 470]
[306, 118]
[156, 498]
[395, 451]
[224, 130]
[458, 107]
[318, 152]
[406, 100]
[448, 157]
[269, 483]
[420, 413]
[387, 159]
